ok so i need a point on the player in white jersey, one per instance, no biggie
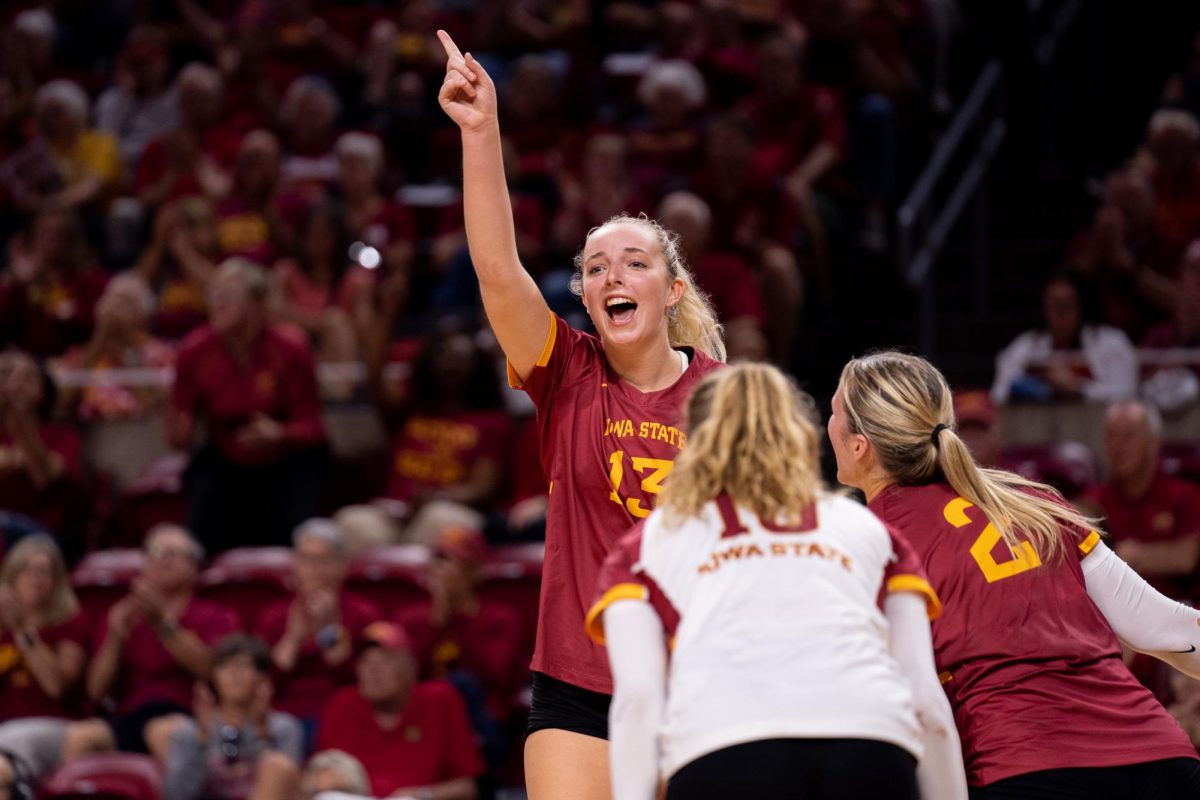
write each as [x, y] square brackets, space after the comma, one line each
[802, 664]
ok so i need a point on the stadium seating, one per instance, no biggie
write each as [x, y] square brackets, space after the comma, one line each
[391, 576]
[103, 577]
[248, 579]
[111, 776]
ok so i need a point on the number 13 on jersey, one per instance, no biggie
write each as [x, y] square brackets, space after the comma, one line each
[658, 468]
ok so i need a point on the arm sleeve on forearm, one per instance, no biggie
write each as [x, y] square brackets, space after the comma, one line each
[1141, 617]
[638, 658]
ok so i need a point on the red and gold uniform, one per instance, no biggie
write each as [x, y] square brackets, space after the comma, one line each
[1032, 668]
[606, 448]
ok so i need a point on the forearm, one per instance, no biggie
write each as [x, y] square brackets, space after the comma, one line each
[103, 668]
[817, 163]
[491, 235]
[1141, 617]
[1176, 557]
[284, 653]
[457, 789]
[638, 659]
[188, 650]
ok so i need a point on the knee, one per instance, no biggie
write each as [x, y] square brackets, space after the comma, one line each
[276, 777]
[88, 736]
[159, 732]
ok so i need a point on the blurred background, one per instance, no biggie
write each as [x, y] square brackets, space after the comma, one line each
[235, 299]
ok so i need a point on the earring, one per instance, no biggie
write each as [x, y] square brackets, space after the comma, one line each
[672, 312]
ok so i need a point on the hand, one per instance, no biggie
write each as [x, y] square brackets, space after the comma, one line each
[124, 614]
[1063, 379]
[204, 706]
[261, 432]
[260, 705]
[322, 609]
[148, 600]
[23, 263]
[468, 95]
[298, 628]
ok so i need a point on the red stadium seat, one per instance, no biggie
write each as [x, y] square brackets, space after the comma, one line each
[391, 576]
[103, 577]
[248, 580]
[1070, 467]
[512, 576]
[111, 776]
[157, 496]
[1181, 459]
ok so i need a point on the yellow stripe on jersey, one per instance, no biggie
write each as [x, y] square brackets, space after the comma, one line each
[622, 591]
[1089, 544]
[514, 380]
[915, 583]
[945, 677]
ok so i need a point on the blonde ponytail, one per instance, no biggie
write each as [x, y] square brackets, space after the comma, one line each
[692, 322]
[904, 408]
[751, 435]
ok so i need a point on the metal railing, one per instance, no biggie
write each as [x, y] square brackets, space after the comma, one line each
[925, 220]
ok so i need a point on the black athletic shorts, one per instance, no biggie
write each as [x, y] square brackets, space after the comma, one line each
[1168, 779]
[800, 769]
[565, 706]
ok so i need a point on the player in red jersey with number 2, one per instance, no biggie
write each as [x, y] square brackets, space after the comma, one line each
[1034, 603]
[608, 413]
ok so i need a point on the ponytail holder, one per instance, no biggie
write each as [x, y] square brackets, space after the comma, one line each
[933, 437]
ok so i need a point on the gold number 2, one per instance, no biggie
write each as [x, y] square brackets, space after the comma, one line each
[1024, 557]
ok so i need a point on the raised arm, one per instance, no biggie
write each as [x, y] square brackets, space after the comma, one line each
[516, 309]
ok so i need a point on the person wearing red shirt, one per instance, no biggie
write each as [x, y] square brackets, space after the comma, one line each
[414, 739]
[49, 290]
[1173, 141]
[40, 461]
[468, 640]
[252, 220]
[1033, 600]
[43, 646]
[609, 409]
[376, 221]
[253, 385]
[314, 633]
[151, 648]
[1154, 519]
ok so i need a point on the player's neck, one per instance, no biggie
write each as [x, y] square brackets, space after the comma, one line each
[874, 485]
[649, 368]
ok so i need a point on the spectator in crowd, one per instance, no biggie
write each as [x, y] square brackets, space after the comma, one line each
[978, 425]
[44, 640]
[179, 263]
[120, 341]
[1173, 142]
[313, 635]
[1174, 388]
[373, 219]
[49, 290]
[250, 219]
[1120, 257]
[141, 105]
[724, 276]
[40, 460]
[253, 385]
[309, 114]
[237, 747]
[28, 47]
[1153, 518]
[67, 165]
[1069, 358]
[321, 290]
[450, 430]
[602, 188]
[665, 147]
[461, 637]
[333, 771]
[194, 157]
[412, 738]
[152, 646]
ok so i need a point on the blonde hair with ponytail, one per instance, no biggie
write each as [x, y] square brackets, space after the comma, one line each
[692, 321]
[903, 406]
[751, 435]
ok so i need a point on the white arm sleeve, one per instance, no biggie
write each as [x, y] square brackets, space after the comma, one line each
[638, 658]
[940, 771]
[1141, 617]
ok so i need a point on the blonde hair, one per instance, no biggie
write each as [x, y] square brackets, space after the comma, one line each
[63, 605]
[752, 436]
[692, 321]
[903, 406]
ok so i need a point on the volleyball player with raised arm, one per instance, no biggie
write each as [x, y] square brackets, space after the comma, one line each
[802, 664]
[1034, 603]
[608, 408]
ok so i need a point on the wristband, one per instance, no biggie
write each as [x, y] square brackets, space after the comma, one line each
[328, 636]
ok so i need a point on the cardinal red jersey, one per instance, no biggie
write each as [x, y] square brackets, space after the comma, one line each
[1031, 667]
[606, 448]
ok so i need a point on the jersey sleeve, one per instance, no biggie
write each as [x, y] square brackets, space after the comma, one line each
[904, 573]
[1085, 539]
[623, 578]
[564, 356]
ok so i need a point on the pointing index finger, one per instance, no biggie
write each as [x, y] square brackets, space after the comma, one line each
[449, 45]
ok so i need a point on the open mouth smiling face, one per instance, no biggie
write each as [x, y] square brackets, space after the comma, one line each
[626, 284]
